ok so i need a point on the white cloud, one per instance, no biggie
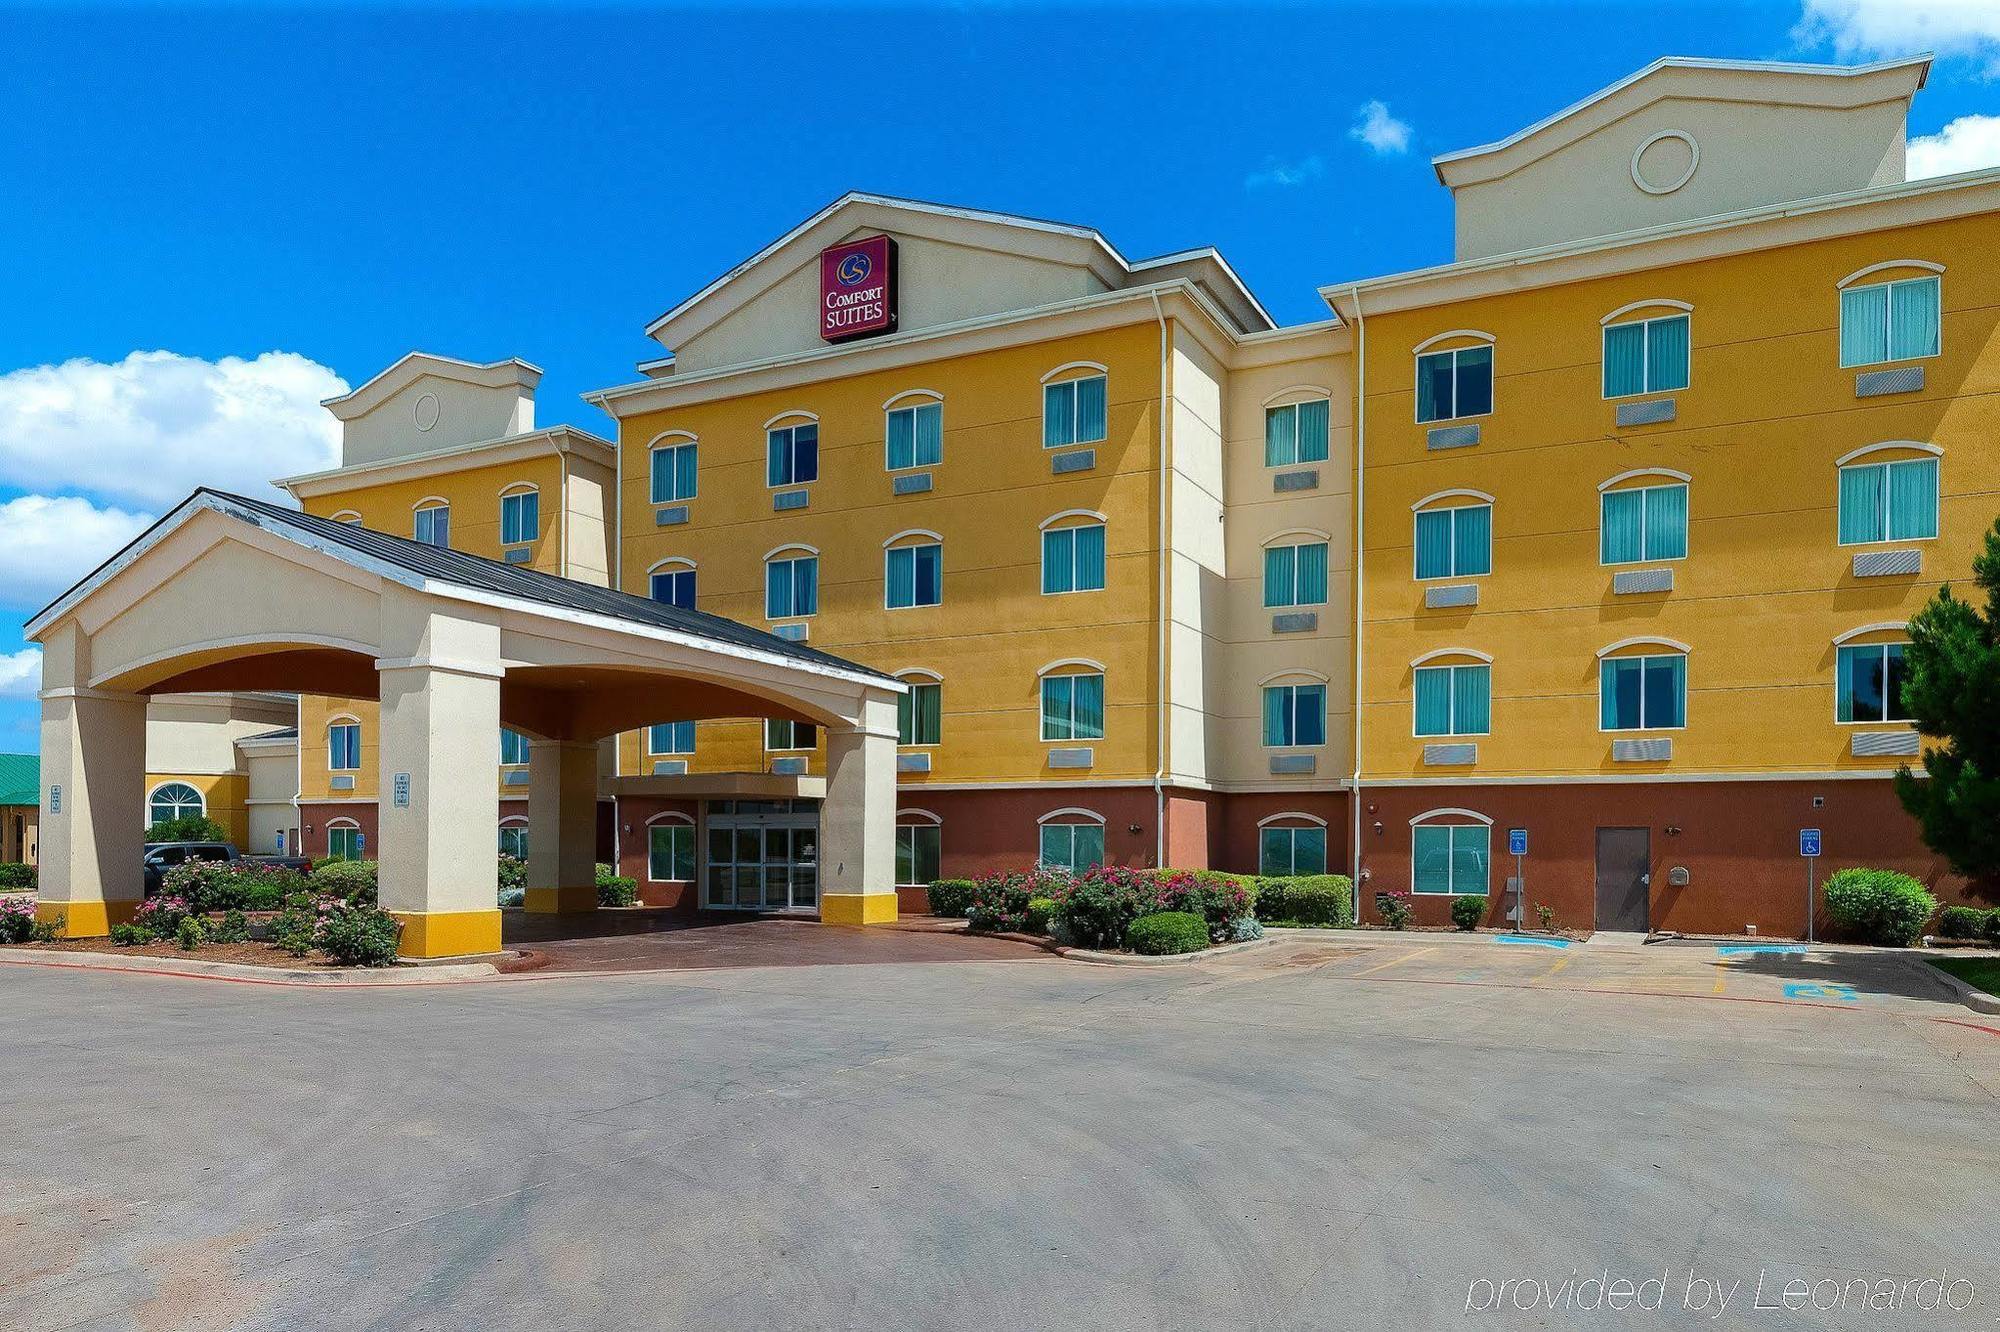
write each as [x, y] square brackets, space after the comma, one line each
[20, 673]
[54, 540]
[152, 427]
[1382, 132]
[1966, 144]
[1875, 28]
[1285, 173]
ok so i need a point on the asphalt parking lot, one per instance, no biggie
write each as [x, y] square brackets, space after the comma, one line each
[1335, 1131]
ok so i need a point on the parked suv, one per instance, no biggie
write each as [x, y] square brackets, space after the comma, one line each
[163, 856]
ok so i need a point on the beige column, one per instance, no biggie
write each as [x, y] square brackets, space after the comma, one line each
[857, 832]
[436, 813]
[93, 835]
[562, 826]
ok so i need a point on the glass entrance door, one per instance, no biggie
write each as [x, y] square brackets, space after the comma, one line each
[763, 855]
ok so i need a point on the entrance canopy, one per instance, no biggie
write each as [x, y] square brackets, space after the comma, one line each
[231, 593]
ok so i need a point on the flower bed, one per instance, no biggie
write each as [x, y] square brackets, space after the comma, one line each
[1098, 908]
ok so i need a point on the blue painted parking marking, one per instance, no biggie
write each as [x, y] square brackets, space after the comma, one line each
[1745, 950]
[1832, 990]
[1534, 943]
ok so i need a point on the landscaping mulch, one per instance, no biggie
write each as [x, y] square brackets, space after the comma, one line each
[249, 954]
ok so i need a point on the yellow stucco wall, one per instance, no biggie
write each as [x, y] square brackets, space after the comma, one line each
[1764, 589]
[225, 797]
[992, 490]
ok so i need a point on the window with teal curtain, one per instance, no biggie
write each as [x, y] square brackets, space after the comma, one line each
[1073, 707]
[1312, 574]
[1089, 705]
[1433, 692]
[1277, 715]
[1864, 325]
[1280, 575]
[1666, 522]
[1471, 699]
[1294, 715]
[930, 434]
[1869, 683]
[1434, 387]
[1434, 544]
[791, 587]
[1665, 692]
[1056, 707]
[1666, 354]
[1913, 318]
[1469, 858]
[1863, 492]
[1058, 414]
[1090, 558]
[1313, 419]
[902, 577]
[1455, 384]
[1281, 436]
[670, 738]
[1621, 536]
[513, 748]
[673, 473]
[1913, 497]
[1089, 409]
[1430, 867]
[916, 436]
[1472, 540]
[919, 715]
[1624, 360]
[1059, 560]
[1642, 693]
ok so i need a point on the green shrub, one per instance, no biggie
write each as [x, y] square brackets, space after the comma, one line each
[1993, 926]
[188, 933]
[513, 873]
[193, 828]
[14, 876]
[128, 935]
[232, 928]
[1313, 899]
[1000, 901]
[359, 936]
[1039, 911]
[616, 891]
[1395, 907]
[1467, 912]
[1094, 909]
[1962, 922]
[950, 897]
[47, 931]
[1879, 906]
[352, 880]
[1167, 932]
[226, 885]
[160, 917]
[295, 928]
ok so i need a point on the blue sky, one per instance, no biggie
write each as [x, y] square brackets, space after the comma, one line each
[268, 202]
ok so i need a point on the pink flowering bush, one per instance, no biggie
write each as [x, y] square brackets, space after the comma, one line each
[1000, 901]
[161, 916]
[1096, 908]
[17, 920]
[1395, 907]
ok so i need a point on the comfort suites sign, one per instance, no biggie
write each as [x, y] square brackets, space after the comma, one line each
[857, 289]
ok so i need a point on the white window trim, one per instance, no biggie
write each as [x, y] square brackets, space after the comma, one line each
[1604, 655]
[1885, 266]
[1608, 489]
[666, 753]
[889, 547]
[1091, 518]
[341, 719]
[519, 488]
[671, 439]
[1937, 495]
[923, 818]
[1478, 658]
[201, 798]
[1299, 673]
[1885, 446]
[792, 551]
[1429, 347]
[1062, 374]
[918, 395]
[1295, 396]
[675, 819]
[1469, 820]
[1418, 510]
[1071, 814]
[1446, 737]
[1265, 824]
[1882, 627]
[1084, 369]
[788, 421]
[1848, 284]
[916, 676]
[346, 516]
[1654, 303]
[1885, 643]
[1646, 352]
[917, 398]
[1295, 686]
[795, 417]
[764, 730]
[1082, 666]
[1313, 819]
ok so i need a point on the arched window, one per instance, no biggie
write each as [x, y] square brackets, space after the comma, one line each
[514, 837]
[1290, 845]
[344, 840]
[1642, 685]
[670, 848]
[1454, 534]
[671, 458]
[1073, 700]
[1294, 709]
[1869, 673]
[1453, 692]
[919, 843]
[1889, 492]
[520, 514]
[1454, 376]
[343, 745]
[1073, 404]
[1296, 424]
[920, 712]
[1642, 517]
[791, 449]
[913, 570]
[791, 583]
[1450, 852]
[1646, 348]
[174, 800]
[913, 430]
[1295, 569]
[672, 582]
[1073, 552]
[1891, 312]
[1071, 839]
[431, 522]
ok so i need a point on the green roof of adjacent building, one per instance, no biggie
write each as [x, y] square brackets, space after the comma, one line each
[20, 779]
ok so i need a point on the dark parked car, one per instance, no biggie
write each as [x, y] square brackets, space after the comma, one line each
[163, 856]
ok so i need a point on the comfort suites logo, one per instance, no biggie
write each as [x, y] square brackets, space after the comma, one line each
[857, 289]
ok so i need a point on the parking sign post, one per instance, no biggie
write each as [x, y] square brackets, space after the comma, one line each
[1517, 846]
[1809, 849]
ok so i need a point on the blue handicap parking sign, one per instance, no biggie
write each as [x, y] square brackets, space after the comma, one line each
[1517, 841]
[1808, 841]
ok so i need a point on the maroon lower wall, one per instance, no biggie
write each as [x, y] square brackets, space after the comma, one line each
[313, 819]
[630, 818]
[1738, 841]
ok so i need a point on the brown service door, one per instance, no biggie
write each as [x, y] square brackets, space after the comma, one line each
[1624, 878]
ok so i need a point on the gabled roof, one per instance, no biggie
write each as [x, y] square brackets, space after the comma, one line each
[442, 571]
[1093, 248]
[20, 779]
[416, 364]
[280, 736]
[1829, 85]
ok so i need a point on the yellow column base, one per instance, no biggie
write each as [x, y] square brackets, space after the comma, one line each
[575, 898]
[857, 909]
[448, 933]
[86, 920]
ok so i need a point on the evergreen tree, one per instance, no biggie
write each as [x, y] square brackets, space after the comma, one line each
[1951, 689]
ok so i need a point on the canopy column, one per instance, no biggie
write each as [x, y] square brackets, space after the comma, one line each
[858, 819]
[93, 839]
[562, 826]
